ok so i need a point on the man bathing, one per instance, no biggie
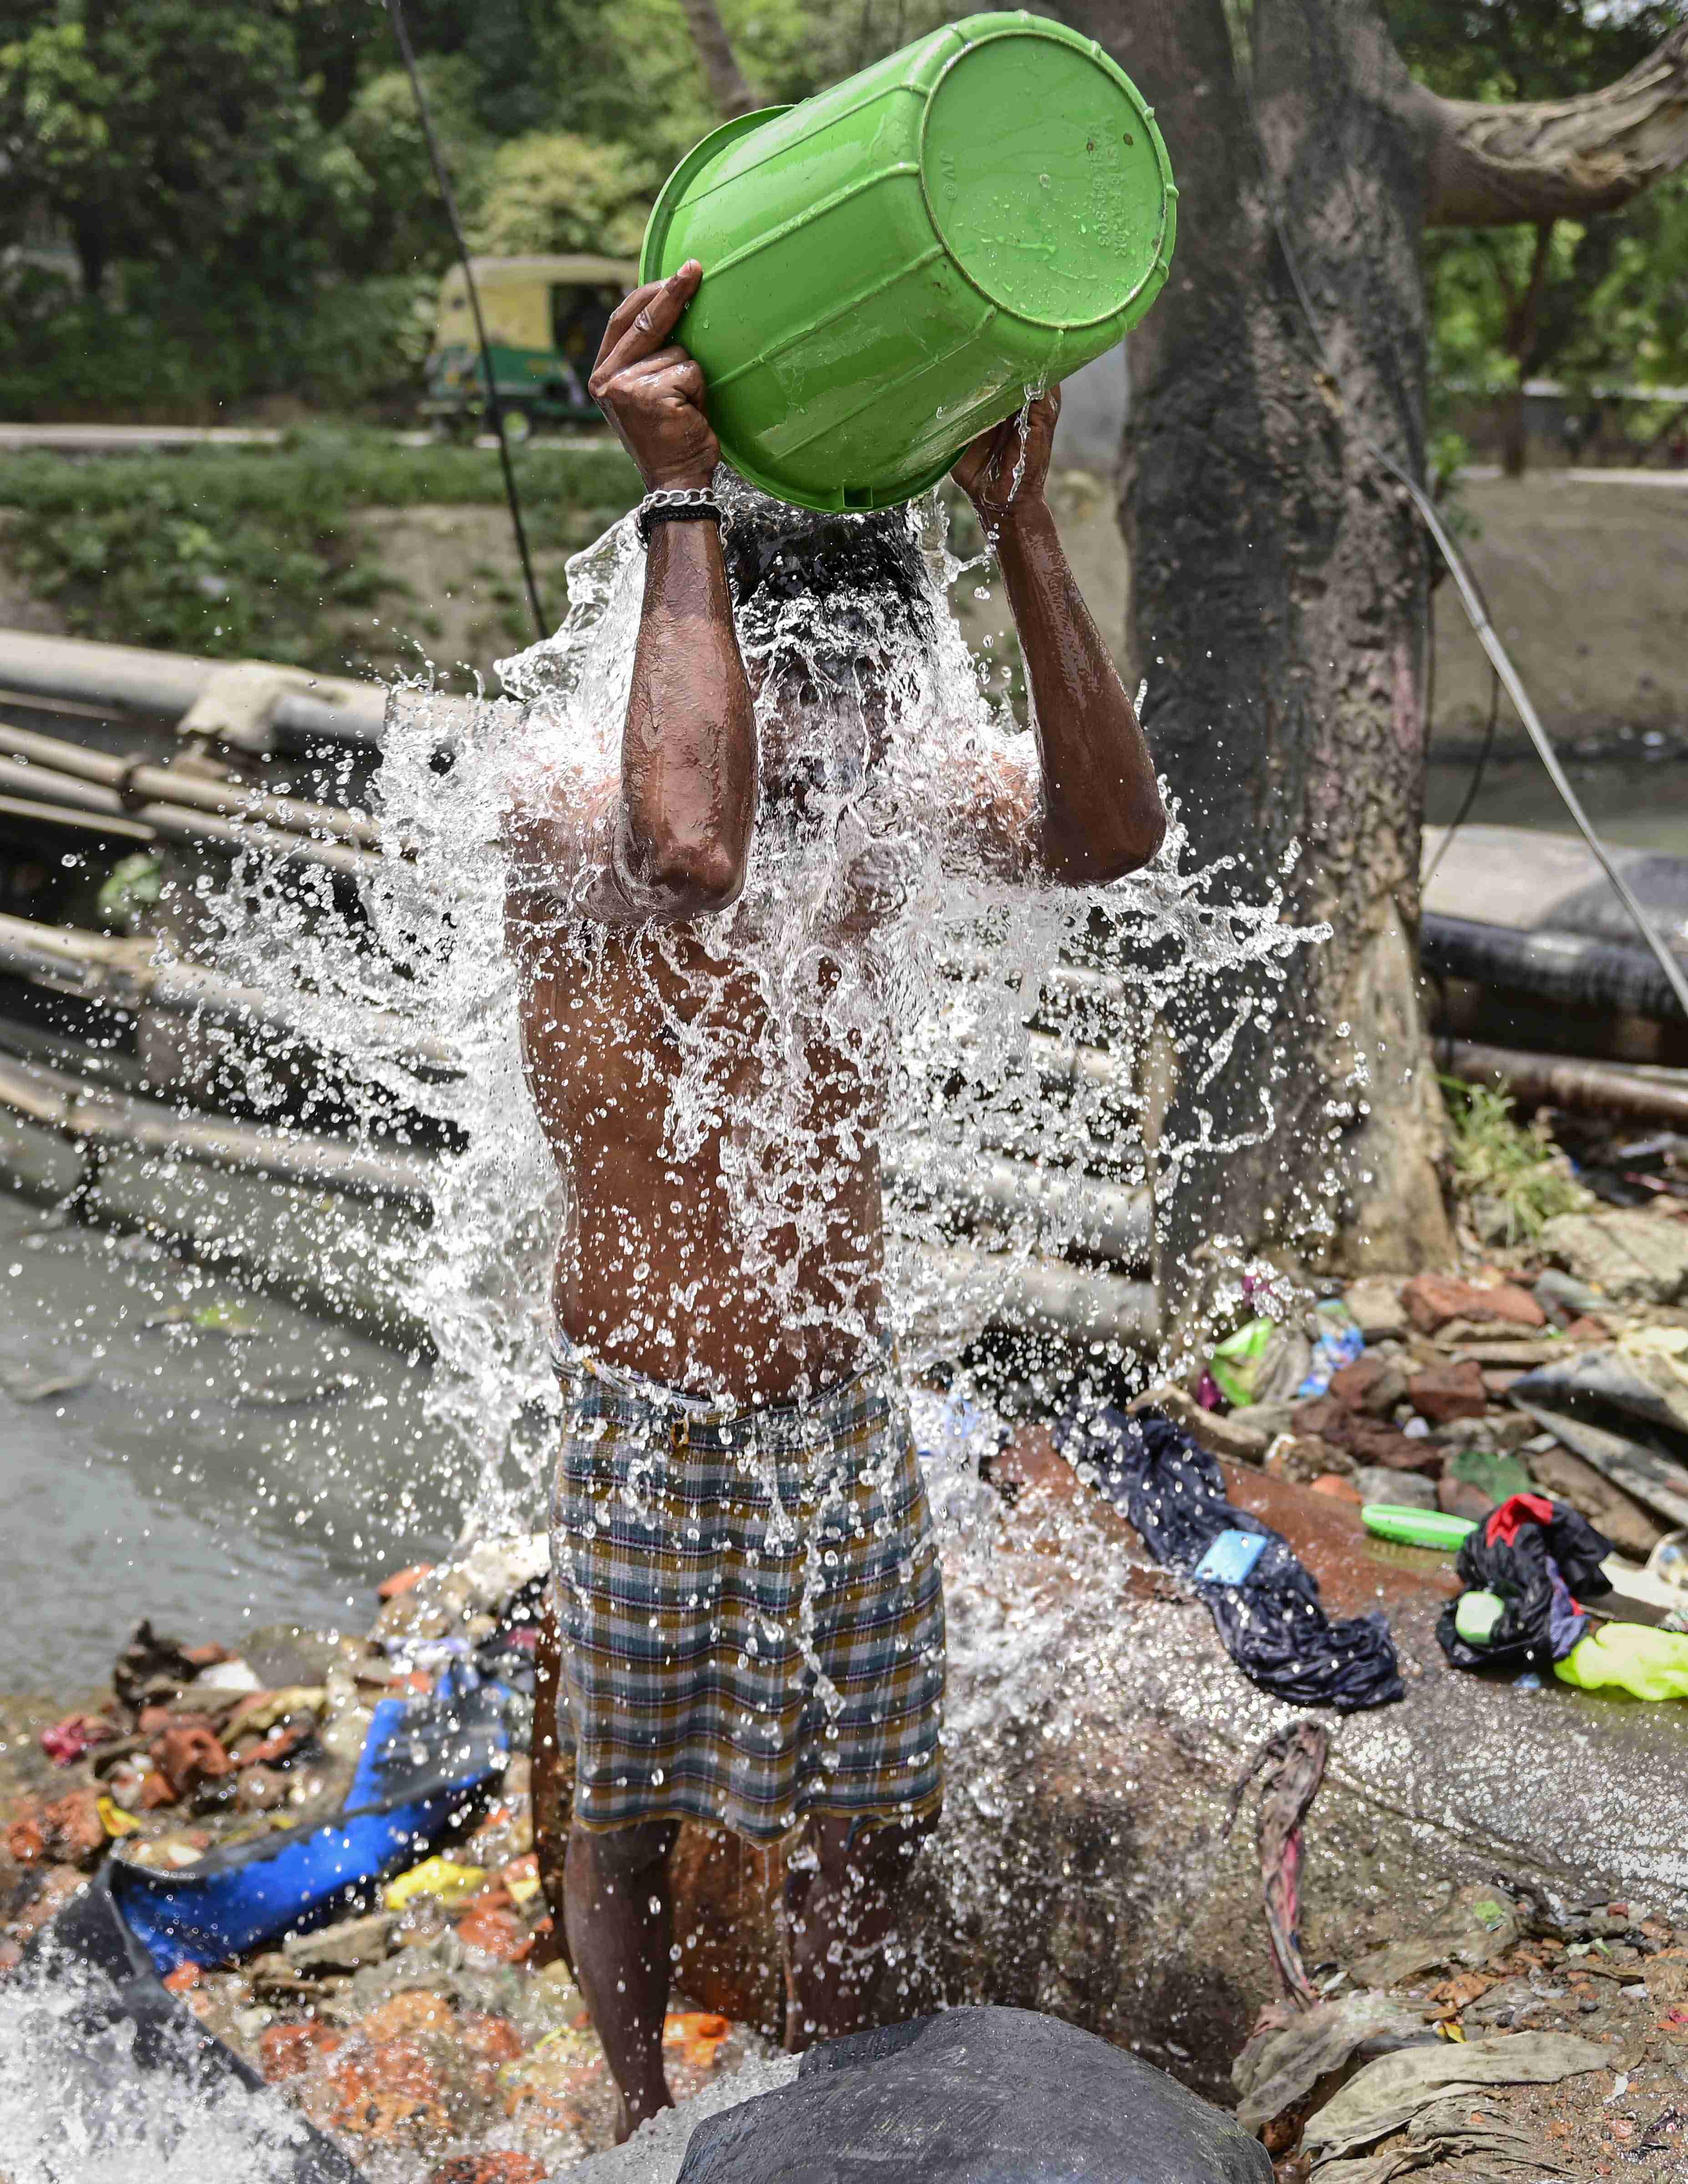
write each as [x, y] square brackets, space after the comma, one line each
[747, 1584]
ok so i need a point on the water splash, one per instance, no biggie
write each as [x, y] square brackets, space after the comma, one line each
[992, 1021]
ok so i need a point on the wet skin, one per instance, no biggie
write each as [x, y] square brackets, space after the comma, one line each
[652, 1273]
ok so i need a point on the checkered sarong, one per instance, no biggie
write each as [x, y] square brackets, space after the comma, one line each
[750, 1605]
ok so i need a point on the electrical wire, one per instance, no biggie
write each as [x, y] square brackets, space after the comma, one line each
[1473, 786]
[1471, 597]
[495, 407]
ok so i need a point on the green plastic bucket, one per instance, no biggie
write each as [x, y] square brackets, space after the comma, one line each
[888, 266]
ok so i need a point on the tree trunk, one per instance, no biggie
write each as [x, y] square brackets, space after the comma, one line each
[1523, 316]
[732, 95]
[1278, 609]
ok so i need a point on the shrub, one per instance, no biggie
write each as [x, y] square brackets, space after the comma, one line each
[561, 193]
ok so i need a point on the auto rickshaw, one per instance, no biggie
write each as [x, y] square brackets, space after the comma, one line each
[545, 318]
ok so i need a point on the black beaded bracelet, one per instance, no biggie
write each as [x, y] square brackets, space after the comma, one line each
[690, 506]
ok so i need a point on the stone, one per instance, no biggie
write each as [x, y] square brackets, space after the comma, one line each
[1442, 1392]
[1370, 1384]
[1405, 1489]
[1218, 1434]
[497, 1933]
[1367, 1440]
[1631, 1528]
[69, 1831]
[288, 2051]
[1431, 1301]
[341, 1947]
[1563, 1298]
[189, 1756]
[1374, 1305]
[1635, 1258]
[1306, 1459]
[1268, 1420]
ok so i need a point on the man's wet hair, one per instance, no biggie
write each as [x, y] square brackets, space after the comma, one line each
[846, 582]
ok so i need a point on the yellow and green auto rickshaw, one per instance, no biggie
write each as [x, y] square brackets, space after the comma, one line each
[545, 318]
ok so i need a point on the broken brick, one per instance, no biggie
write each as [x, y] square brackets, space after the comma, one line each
[497, 1933]
[1431, 1301]
[1374, 1384]
[287, 2051]
[400, 1582]
[1442, 1392]
[188, 1755]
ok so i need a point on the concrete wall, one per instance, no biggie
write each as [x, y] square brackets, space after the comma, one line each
[1093, 413]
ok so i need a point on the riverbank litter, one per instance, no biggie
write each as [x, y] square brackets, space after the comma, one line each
[320, 1853]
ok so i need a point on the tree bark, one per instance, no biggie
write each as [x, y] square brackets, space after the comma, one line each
[1552, 158]
[1522, 315]
[732, 95]
[1279, 608]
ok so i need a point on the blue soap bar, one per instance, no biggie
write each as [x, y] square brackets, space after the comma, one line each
[1230, 1556]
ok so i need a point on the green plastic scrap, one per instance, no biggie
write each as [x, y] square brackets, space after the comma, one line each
[1236, 1361]
[1647, 1664]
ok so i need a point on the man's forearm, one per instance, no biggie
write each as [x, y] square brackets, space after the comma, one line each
[689, 758]
[1102, 809]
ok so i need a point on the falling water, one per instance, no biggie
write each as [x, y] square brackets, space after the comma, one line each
[1001, 1019]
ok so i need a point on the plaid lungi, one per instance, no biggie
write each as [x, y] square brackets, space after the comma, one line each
[750, 1605]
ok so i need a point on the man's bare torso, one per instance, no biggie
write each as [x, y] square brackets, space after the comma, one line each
[736, 1248]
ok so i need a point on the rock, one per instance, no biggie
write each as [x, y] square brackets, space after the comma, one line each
[492, 2168]
[1367, 1440]
[402, 1581]
[1431, 1301]
[1405, 1489]
[288, 2051]
[1458, 1497]
[1635, 1257]
[69, 1831]
[1220, 1435]
[1373, 1384]
[497, 1933]
[1442, 1392]
[341, 1947]
[1304, 1459]
[189, 1756]
[1376, 1307]
[1563, 1298]
[1632, 1530]
[1268, 1420]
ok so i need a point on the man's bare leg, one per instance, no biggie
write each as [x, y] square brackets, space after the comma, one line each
[840, 1912]
[621, 1922]
[552, 1792]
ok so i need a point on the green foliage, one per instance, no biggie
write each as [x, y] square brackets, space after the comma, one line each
[560, 193]
[1522, 1176]
[1613, 303]
[180, 344]
[233, 553]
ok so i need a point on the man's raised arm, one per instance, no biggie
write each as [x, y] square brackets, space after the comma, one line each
[672, 842]
[1100, 815]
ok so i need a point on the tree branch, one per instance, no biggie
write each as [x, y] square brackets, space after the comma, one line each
[1553, 159]
[732, 95]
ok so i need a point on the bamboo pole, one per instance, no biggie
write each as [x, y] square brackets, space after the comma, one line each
[130, 975]
[1548, 1080]
[233, 798]
[65, 1104]
[176, 823]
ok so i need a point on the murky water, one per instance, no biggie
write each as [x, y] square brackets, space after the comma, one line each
[1639, 802]
[173, 1446]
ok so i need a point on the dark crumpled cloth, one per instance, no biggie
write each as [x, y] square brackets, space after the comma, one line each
[1519, 1550]
[1271, 1623]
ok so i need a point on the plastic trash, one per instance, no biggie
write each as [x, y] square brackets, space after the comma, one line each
[987, 2096]
[1337, 1342]
[1648, 1664]
[421, 1766]
[1415, 1528]
[441, 1877]
[1236, 1362]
